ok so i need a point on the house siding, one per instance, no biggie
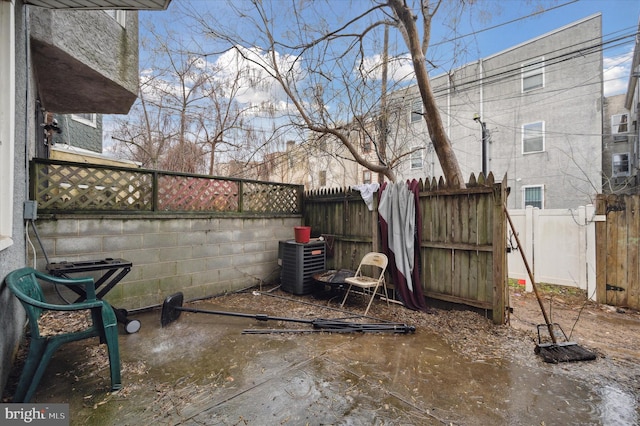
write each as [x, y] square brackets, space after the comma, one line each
[73, 62]
[12, 316]
[569, 105]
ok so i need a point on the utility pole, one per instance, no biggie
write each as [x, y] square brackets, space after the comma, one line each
[485, 135]
[382, 145]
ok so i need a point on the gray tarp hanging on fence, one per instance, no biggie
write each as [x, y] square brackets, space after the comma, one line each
[401, 229]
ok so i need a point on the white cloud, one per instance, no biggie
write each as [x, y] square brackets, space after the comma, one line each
[616, 73]
[252, 67]
[400, 68]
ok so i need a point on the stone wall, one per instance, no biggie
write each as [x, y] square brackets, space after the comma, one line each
[198, 256]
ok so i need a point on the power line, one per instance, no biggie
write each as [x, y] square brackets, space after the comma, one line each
[503, 24]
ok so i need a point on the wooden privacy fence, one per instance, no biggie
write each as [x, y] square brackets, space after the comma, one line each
[618, 250]
[463, 247]
[72, 188]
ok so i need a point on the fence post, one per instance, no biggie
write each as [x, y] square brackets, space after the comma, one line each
[582, 248]
[590, 266]
[529, 235]
[154, 191]
[499, 255]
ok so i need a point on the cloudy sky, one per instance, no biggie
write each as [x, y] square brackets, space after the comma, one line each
[504, 24]
[489, 27]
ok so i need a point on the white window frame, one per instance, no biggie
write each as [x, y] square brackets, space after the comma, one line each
[527, 135]
[366, 177]
[532, 69]
[7, 121]
[416, 159]
[91, 120]
[367, 143]
[120, 16]
[415, 114]
[525, 202]
[620, 127]
[616, 161]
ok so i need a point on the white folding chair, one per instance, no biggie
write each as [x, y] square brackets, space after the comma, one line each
[376, 260]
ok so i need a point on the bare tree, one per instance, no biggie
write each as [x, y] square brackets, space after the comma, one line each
[406, 23]
[322, 65]
[185, 110]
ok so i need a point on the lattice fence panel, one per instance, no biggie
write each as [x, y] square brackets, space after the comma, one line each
[261, 198]
[72, 188]
[188, 193]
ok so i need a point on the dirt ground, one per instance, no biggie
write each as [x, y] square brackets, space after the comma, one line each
[611, 333]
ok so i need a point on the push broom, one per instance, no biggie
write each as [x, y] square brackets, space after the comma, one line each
[555, 351]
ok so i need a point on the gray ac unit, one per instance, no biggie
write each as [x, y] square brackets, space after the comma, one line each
[299, 262]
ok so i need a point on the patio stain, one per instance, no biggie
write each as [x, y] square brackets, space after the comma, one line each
[203, 370]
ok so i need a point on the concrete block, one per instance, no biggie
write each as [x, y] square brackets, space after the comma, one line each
[78, 245]
[190, 266]
[122, 242]
[205, 250]
[99, 227]
[175, 253]
[251, 259]
[251, 235]
[231, 249]
[56, 228]
[205, 278]
[252, 247]
[158, 270]
[191, 238]
[160, 240]
[140, 226]
[205, 225]
[174, 225]
[220, 262]
[254, 223]
[231, 224]
[219, 237]
[142, 288]
[170, 285]
[141, 257]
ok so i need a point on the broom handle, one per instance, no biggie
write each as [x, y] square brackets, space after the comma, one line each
[533, 282]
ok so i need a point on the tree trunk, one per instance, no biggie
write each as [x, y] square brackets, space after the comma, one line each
[441, 143]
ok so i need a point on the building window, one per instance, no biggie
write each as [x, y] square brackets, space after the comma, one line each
[620, 164]
[322, 144]
[7, 121]
[416, 158]
[533, 137]
[619, 127]
[366, 143]
[323, 178]
[416, 110]
[532, 74]
[88, 119]
[533, 196]
[119, 15]
[366, 176]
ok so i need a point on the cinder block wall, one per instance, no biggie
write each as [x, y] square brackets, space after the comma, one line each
[198, 256]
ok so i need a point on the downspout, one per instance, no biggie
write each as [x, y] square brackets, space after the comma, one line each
[482, 119]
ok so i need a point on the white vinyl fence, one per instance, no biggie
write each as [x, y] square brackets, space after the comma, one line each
[559, 244]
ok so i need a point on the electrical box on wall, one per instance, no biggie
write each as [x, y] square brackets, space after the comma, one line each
[30, 210]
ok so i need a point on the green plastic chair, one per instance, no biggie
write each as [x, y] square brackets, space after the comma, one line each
[24, 284]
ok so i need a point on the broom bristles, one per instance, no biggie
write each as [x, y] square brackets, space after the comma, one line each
[564, 352]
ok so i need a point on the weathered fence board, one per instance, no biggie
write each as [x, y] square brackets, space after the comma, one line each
[617, 250]
[462, 252]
